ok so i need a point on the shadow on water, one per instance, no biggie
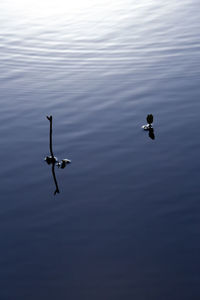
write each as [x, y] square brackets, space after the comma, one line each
[52, 160]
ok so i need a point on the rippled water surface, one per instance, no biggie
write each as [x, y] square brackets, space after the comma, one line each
[126, 222]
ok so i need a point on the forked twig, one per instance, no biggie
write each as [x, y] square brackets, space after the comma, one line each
[52, 155]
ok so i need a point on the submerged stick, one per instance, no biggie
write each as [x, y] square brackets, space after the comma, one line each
[52, 156]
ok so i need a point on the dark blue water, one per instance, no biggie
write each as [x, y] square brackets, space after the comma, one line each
[126, 223]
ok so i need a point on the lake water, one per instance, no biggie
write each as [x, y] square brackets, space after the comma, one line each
[126, 222]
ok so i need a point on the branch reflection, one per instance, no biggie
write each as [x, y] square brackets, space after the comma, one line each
[151, 133]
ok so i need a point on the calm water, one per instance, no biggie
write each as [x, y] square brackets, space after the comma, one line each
[127, 220]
